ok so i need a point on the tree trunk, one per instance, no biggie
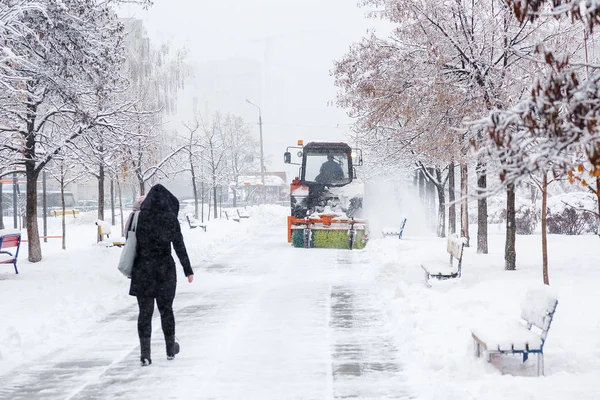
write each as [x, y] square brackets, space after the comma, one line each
[1, 207]
[464, 202]
[120, 205]
[45, 205]
[510, 252]
[142, 185]
[416, 179]
[101, 193]
[544, 233]
[422, 187]
[202, 199]
[220, 202]
[441, 223]
[209, 203]
[33, 233]
[451, 199]
[64, 212]
[598, 202]
[195, 189]
[112, 202]
[482, 215]
[431, 201]
[234, 195]
[215, 200]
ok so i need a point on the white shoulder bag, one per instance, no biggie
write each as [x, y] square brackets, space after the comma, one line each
[128, 253]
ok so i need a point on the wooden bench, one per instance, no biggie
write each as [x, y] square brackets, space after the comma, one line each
[242, 216]
[58, 213]
[233, 218]
[395, 231]
[9, 241]
[442, 270]
[104, 232]
[194, 223]
[520, 337]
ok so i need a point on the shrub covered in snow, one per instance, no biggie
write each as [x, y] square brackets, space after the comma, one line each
[567, 213]
[527, 216]
[496, 210]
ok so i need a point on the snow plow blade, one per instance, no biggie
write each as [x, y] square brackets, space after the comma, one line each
[327, 232]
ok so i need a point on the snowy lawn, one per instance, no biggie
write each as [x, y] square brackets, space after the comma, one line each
[433, 325]
[50, 302]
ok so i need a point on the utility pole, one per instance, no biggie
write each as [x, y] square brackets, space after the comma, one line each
[262, 159]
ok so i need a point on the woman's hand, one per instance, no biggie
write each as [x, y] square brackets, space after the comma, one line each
[190, 278]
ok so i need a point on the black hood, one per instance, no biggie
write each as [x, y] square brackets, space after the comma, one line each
[159, 199]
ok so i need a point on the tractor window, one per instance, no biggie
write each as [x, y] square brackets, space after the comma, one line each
[327, 168]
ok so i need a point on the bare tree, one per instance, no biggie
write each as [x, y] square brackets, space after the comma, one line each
[215, 150]
[65, 171]
[194, 158]
[240, 146]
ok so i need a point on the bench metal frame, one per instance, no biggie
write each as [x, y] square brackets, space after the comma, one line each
[13, 237]
[393, 232]
[479, 344]
[194, 225]
[402, 228]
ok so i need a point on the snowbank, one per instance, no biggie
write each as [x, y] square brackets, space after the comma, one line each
[433, 325]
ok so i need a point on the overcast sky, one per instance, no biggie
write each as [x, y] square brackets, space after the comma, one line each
[277, 53]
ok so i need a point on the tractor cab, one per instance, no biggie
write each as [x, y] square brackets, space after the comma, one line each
[324, 164]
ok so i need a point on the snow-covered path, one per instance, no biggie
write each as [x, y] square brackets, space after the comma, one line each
[262, 321]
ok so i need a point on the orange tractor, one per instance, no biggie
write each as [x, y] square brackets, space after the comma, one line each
[326, 197]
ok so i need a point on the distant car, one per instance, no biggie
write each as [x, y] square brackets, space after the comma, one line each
[87, 205]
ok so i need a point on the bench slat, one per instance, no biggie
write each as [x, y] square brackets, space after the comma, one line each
[10, 241]
[508, 337]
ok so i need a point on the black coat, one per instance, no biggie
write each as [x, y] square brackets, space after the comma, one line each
[153, 272]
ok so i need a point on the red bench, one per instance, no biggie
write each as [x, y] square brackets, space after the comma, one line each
[8, 241]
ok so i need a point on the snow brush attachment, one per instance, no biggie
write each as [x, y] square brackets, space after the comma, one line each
[327, 232]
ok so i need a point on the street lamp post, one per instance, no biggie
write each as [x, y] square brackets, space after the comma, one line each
[262, 160]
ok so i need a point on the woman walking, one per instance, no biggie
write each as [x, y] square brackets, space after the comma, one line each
[153, 277]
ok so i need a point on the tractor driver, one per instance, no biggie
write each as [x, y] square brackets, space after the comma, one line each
[331, 171]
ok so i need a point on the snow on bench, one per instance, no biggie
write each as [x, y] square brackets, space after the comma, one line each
[194, 223]
[104, 232]
[239, 217]
[519, 338]
[447, 270]
[243, 215]
[394, 231]
[234, 218]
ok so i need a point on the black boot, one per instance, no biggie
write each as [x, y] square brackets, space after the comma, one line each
[172, 347]
[145, 352]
